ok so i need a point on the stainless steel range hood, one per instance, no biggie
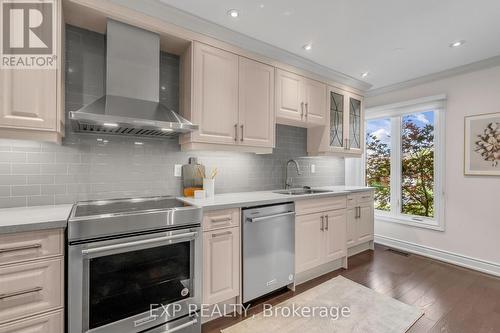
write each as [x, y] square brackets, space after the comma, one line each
[131, 104]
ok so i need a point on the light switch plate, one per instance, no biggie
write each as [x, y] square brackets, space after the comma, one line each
[178, 170]
[313, 168]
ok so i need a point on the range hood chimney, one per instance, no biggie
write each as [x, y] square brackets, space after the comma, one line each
[131, 104]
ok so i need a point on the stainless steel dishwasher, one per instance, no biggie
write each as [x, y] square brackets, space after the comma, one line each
[268, 249]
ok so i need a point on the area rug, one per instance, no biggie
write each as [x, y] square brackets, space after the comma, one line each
[324, 309]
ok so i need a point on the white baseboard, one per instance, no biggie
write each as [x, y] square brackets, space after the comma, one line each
[446, 256]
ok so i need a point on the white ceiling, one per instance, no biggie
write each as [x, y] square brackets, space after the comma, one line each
[394, 40]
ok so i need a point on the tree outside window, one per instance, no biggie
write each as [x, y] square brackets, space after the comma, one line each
[417, 158]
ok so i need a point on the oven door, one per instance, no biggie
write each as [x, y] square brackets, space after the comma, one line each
[132, 284]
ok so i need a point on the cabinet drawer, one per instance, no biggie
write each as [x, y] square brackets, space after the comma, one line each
[47, 323]
[365, 197]
[218, 219]
[319, 205]
[30, 288]
[30, 245]
[351, 201]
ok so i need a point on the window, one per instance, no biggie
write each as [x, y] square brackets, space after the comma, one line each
[403, 161]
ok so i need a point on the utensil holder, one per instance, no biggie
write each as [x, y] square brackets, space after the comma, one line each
[209, 187]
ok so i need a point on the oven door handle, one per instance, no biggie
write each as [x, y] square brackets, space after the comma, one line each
[180, 327]
[186, 236]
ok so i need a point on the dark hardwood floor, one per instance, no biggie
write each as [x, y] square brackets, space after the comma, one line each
[454, 299]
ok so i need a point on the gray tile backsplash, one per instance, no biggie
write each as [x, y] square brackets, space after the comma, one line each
[83, 168]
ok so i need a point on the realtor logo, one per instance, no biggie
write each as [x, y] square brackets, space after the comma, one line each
[28, 34]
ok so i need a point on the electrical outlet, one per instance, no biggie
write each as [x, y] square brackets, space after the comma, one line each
[178, 170]
[313, 168]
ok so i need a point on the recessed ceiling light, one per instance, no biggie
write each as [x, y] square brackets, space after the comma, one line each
[307, 47]
[364, 75]
[110, 124]
[167, 129]
[458, 43]
[233, 13]
[138, 143]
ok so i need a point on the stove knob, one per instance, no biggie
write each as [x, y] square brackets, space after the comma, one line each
[184, 292]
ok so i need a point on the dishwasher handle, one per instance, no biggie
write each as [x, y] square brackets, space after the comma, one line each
[262, 218]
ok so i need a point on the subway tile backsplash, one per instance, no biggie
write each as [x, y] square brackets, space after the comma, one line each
[83, 168]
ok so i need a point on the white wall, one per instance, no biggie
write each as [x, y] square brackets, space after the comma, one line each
[472, 203]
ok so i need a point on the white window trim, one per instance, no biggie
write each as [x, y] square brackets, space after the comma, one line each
[395, 112]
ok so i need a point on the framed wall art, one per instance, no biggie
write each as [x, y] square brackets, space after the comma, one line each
[482, 145]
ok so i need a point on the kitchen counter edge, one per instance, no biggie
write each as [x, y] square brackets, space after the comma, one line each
[20, 219]
[259, 198]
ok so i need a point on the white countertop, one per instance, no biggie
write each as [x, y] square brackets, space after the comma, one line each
[49, 217]
[243, 199]
[33, 218]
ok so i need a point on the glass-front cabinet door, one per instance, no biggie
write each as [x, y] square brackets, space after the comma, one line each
[344, 130]
[355, 131]
[338, 117]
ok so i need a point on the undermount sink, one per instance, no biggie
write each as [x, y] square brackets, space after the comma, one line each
[301, 191]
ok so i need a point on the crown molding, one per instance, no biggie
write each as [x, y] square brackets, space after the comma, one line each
[165, 12]
[472, 67]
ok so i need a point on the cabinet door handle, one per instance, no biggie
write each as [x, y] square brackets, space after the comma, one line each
[219, 219]
[358, 212]
[241, 133]
[322, 228]
[20, 248]
[301, 109]
[21, 292]
[366, 197]
[235, 132]
[326, 227]
[307, 109]
[222, 234]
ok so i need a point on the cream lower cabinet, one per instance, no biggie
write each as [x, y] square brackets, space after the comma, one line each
[32, 282]
[31, 100]
[309, 242]
[221, 256]
[232, 102]
[360, 218]
[320, 233]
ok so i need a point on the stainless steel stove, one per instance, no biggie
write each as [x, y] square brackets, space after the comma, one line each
[134, 265]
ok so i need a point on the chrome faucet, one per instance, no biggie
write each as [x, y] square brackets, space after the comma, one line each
[289, 182]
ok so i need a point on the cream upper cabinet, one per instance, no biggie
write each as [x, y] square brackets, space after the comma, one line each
[31, 100]
[215, 95]
[256, 103]
[335, 223]
[232, 101]
[299, 101]
[290, 97]
[343, 133]
[315, 105]
[28, 98]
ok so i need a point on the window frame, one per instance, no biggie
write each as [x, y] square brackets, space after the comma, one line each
[395, 113]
